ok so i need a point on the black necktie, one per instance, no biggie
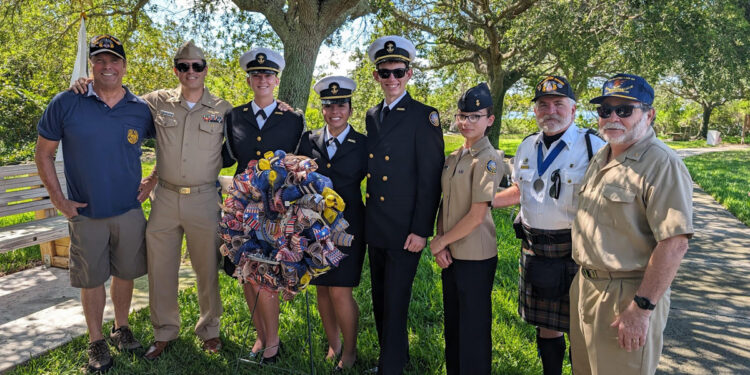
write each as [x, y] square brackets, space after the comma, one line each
[333, 140]
[261, 113]
[385, 112]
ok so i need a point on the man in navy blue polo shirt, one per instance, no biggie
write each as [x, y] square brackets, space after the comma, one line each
[101, 135]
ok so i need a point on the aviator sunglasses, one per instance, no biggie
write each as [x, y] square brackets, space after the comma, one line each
[385, 73]
[184, 67]
[622, 111]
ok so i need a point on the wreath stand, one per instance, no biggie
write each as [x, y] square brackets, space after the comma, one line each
[258, 360]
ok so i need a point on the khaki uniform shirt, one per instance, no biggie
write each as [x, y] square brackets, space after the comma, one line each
[471, 177]
[188, 141]
[626, 206]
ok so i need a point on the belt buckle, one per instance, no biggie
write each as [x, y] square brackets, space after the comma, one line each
[184, 190]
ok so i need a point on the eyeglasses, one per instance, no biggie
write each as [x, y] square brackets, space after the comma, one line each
[554, 189]
[622, 111]
[385, 73]
[472, 118]
[184, 67]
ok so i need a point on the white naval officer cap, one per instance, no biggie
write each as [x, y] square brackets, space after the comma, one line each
[262, 60]
[392, 48]
[335, 89]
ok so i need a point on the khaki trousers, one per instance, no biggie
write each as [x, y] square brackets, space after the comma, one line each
[197, 217]
[593, 343]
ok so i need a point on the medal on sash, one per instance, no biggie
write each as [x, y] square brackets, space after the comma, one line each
[542, 164]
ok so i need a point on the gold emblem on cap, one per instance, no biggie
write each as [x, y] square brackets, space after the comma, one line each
[334, 88]
[260, 58]
[477, 102]
[390, 47]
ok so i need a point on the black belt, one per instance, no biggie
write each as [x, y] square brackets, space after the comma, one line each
[535, 236]
[188, 189]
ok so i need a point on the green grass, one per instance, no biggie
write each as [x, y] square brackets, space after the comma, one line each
[514, 350]
[726, 176]
[21, 259]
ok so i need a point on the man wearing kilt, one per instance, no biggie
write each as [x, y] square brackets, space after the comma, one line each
[547, 171]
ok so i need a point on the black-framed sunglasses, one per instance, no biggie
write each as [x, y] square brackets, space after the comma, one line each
[184, 67]
[622, 111]
[554, 189]
[385, 73]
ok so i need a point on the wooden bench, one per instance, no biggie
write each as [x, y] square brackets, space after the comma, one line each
[21, 191]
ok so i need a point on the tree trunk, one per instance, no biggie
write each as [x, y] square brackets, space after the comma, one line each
[707, 109]
[300, 54]
[500, 81]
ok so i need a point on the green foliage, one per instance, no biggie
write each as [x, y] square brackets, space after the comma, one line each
[726, 177]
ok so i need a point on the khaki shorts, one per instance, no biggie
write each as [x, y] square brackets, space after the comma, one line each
[113, 246]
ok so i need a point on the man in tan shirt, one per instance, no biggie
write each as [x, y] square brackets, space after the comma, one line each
[629, 236]
[189, 135]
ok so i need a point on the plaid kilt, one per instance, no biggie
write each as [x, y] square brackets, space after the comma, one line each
[553, 314]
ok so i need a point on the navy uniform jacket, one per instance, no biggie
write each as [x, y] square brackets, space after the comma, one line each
[346, 170]
[405, 161]
[245, 142]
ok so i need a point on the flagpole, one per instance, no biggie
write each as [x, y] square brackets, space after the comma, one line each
[81, 67]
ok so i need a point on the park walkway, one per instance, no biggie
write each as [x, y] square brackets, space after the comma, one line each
[708, 330]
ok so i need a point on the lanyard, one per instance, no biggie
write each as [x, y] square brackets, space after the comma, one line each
[543, 165]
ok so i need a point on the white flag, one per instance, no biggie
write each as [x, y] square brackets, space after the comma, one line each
[81, 67]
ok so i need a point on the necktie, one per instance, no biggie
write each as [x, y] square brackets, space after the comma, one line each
[333, 141]
[261, 113]
[385, 112]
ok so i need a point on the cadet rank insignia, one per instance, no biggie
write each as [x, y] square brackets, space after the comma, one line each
[132, 136]
[492, 167]
[434, 118]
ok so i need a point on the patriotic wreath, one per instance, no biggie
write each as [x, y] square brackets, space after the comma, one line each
[281, 223]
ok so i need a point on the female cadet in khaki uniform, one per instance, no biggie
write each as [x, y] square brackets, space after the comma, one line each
[466, 247]
[341, 154]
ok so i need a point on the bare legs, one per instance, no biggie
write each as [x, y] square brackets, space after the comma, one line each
[94, 299]
[340, 314]
[265, 318]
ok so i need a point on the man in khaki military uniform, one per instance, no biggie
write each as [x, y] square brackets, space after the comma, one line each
[629, 236]
[189, 135]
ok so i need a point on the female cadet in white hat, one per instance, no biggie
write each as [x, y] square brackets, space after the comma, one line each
[252, 130]
[341, 155]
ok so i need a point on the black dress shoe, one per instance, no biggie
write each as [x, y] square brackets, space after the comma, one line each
[274, 358]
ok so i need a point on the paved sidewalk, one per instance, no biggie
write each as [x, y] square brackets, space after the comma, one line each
[708, 331]
[40, 311]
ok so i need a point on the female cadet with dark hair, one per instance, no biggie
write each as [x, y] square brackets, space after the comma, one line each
[465, 246]
[341, 155]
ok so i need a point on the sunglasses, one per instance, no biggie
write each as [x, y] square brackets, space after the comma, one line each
[554, 189]
[622, 111]
[184, 67]
[398, 73]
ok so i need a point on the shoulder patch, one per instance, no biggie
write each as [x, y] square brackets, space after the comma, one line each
[492, 167]
[434, 118]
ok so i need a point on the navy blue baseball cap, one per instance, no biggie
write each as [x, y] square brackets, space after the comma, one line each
[553, 85]
[475, 98]
[627, 86]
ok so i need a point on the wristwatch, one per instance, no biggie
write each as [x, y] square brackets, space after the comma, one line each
[643, 303]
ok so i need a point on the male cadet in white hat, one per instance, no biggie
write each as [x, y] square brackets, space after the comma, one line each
[253, 129]
[405, 161]
[547, 172]
[189, 133]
